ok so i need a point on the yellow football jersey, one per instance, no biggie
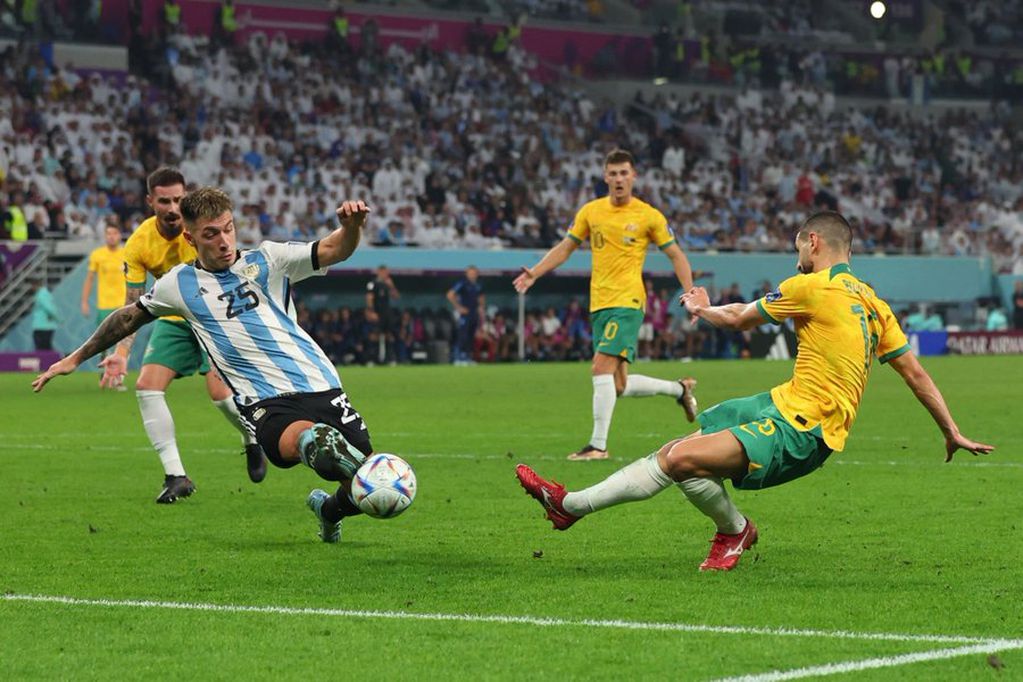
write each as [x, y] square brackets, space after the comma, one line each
[619, 236]
[148, 251]
[842, 326]
[109, 268]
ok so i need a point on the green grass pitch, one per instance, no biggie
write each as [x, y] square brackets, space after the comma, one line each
[884, 539]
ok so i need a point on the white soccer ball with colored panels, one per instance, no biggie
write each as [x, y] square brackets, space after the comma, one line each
[384, 486]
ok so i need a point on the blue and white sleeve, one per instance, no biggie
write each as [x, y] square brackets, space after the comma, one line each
[296, 260]
[163, 299]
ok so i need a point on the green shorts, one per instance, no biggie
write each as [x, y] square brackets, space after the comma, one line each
[778, 452]
[615, 331]
[173, 345]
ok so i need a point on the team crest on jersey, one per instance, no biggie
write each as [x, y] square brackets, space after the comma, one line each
[773, 296]
[251, 271]
[631, 227]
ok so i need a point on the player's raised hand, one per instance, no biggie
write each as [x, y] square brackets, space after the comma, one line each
[62, 366]
[961, 442]
[115, 367]
[352, 214]
[524, 281]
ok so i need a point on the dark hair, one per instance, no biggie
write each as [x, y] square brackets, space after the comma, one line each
[619, 156]
[164, 176]
[833, 228]
[205, 203]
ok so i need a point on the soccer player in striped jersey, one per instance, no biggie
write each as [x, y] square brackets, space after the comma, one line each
[772, 438]
[238, 305]
[156, 246]
[619, 228]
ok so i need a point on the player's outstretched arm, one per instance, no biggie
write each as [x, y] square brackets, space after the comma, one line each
[926, 391]
[558, 254]
[342, 242]
[118, 325]
[735, 316]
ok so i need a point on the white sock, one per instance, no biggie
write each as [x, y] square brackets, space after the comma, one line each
[604, 397]
[639, 386]
[710, 497]
[637, 481]
[230, 411]
[159, 425]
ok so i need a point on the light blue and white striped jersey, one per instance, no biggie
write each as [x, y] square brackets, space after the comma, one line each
[242, 316]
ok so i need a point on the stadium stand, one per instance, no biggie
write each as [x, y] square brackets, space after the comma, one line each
[451, 159]
[479, 171]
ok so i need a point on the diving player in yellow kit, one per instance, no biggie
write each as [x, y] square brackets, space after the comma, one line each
[772, 438]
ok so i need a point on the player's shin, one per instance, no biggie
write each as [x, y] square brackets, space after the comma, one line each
[639, 386]
[640, 480]
[159, 425]
[604, 397]
[324, 450]
[710, 497]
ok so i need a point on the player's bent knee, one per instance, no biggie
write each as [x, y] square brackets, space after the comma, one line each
[679, 461]
[154, 378]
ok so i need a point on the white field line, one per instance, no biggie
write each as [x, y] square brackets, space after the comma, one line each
[512, 620]
[880, 662]
[937, 461]
[962, 460]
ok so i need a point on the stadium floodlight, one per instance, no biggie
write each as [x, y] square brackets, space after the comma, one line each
[878, 9]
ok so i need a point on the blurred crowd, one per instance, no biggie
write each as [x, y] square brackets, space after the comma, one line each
[442, 146]
[398, 335]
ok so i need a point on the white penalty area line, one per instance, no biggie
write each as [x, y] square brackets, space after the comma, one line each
[512, 620]
[880, 662]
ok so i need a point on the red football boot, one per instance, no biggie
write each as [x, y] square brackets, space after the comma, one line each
[725, 550]
[549, 494]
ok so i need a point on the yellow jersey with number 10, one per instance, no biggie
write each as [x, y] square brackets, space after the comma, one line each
[619, 236]
[842, 326]
[149, 252]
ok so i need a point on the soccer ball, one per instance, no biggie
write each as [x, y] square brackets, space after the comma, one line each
[384, 486]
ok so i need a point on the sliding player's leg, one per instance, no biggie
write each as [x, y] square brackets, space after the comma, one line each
[220, 394]
[324, 432]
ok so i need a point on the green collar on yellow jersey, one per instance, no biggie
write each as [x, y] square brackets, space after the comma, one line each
[839, 269]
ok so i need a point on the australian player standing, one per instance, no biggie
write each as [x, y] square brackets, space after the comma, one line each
[619, 227]
[106, 269]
